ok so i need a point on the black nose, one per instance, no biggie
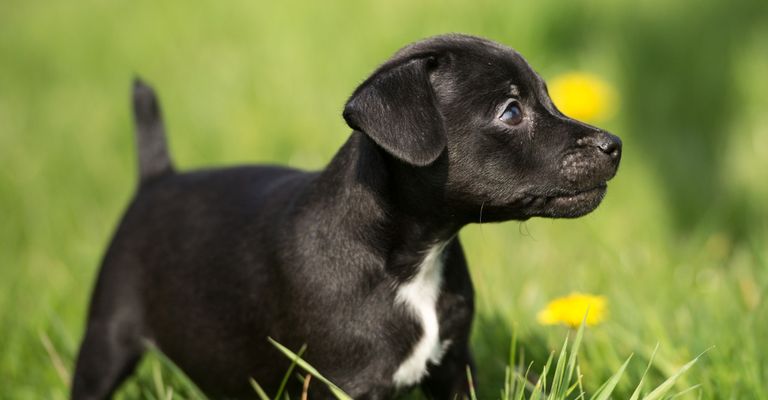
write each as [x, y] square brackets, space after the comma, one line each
[609, 144]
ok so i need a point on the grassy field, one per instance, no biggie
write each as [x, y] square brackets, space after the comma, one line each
[679, 247]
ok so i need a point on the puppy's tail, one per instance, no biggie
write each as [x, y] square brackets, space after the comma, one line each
[154, 159]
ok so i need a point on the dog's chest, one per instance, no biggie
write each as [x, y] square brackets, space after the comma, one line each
[419, 296]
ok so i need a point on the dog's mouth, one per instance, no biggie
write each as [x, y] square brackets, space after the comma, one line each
[568, 205]
[578, 197]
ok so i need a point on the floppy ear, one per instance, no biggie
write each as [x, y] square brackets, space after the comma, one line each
[396, 107]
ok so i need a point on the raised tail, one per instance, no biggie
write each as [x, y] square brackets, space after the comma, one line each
[154, 159]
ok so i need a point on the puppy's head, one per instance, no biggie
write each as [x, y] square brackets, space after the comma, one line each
[477, 110]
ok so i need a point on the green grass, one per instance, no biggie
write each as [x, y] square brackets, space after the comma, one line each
[564, 372]
[678, 246]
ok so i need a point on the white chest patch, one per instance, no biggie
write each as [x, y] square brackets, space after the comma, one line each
[420, 295]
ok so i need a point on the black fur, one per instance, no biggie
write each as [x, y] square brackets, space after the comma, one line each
[206, 265]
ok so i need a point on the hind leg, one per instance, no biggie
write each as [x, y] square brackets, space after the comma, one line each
[113, 343]
[108, 355]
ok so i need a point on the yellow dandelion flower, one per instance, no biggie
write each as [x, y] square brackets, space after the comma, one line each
[582, 96]
[570, 310]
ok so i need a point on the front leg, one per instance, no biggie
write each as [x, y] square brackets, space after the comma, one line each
[448, 380]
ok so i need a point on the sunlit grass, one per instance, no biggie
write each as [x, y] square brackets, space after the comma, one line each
[265, 82]
[560, 378]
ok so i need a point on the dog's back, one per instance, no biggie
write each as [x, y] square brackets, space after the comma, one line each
[179, 229]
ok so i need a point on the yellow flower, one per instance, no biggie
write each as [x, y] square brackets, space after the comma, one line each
[582, 96]
[570, 310]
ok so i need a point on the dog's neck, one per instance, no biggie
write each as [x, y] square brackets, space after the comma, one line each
[404, 205]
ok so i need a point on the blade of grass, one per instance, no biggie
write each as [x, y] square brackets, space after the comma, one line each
[471, 382]
[557, 379]
[542, 383]
[690, 389]
[58, 364]
[636, 393]
[505, 392]
[305, 365]
[259, 390]
[148, 394]
[511, 365]
[288, 373]
[522, 383]
[576, 345]
[662, 389]
[157, 379]
[570, 389]
[305, 387]
[605, 391]
[193, 391]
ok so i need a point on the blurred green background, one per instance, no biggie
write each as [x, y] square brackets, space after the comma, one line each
[679, 246]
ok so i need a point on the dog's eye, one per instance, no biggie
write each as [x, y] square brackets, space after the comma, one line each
[512, 115]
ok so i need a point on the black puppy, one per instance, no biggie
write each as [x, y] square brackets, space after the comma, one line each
[359, 261]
